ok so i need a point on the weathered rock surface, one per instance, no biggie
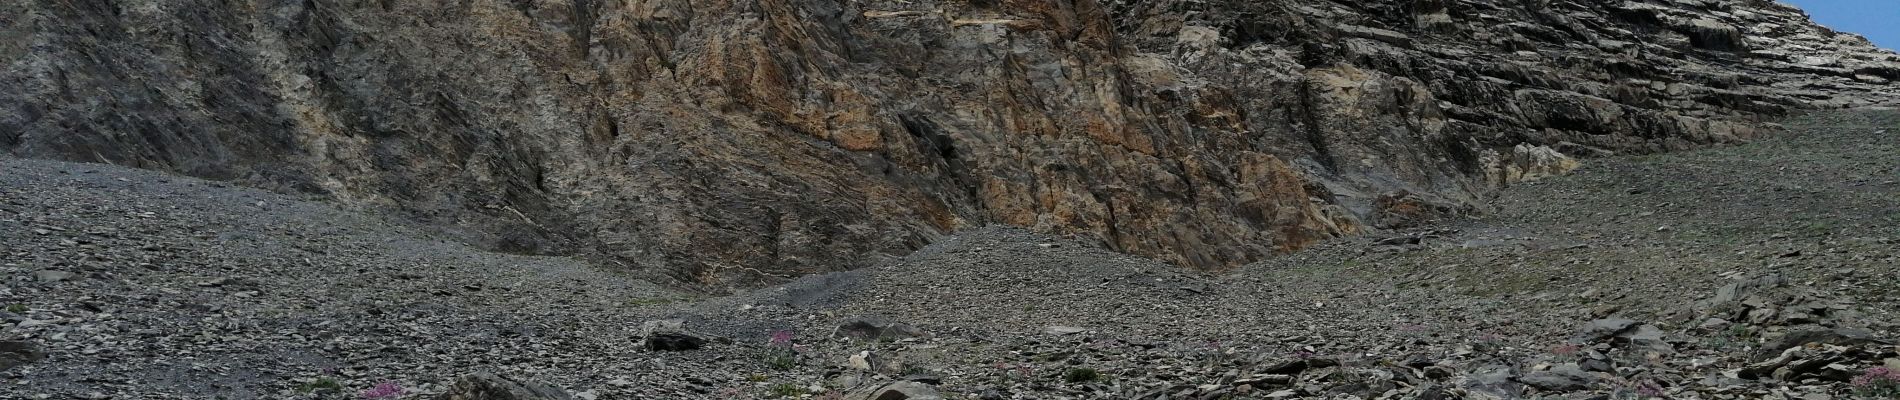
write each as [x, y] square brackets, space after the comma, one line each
[897, 391]
[14, 353]
[487, 386]
[800, 136]
[671, 335]
[184, 297]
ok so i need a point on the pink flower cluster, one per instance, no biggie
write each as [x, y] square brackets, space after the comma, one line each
[782, 338]
[1567, 350]
[385, 390]
[1877, 377]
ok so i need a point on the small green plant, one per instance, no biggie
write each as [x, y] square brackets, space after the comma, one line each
[324, 384]
[1818, 229]
[1080, 375]
[781, 353]
[757, 378]
[781, 362]
[787, 390]
[16, 308]
[916, 370]
[1736, 335]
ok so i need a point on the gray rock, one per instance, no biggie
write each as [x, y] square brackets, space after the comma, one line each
[1801, 336]
[1494, 380]
[1624, 332]
[14, 353]
[827, 140]
[671, 335]
[1649, 337]
[487, 386]
[904, 390]
[1563, 378]
[1597, 365]
[871, 328]
[1064, 330]
[1603, 329]
[49, 276]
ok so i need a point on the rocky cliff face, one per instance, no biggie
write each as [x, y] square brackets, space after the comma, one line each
[728, 141]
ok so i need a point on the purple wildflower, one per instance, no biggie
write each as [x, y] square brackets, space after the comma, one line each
[1567, 350]
[385, 390]
[782, 338]
[1876, 378]
[1649, 389]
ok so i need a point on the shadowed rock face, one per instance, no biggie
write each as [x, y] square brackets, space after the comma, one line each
[725, 142]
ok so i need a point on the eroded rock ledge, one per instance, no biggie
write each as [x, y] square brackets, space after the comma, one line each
[724, 142]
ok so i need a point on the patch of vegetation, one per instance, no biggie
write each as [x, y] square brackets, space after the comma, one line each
[1877, 383]
[16, 308]
[916, 370]
[781, 361]
[786, 390]
[1735, 336]
[781, 354]
[1081, 375]
[1818, 228]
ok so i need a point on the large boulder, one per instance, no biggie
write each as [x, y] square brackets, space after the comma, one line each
[671, 335]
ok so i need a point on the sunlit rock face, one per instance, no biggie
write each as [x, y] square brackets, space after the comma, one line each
[735, 142]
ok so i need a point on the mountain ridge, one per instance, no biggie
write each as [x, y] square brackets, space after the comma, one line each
[814, 136]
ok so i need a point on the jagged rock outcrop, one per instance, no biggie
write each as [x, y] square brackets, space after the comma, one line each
[727, 141]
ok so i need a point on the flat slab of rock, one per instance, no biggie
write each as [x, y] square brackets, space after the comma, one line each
[14, 353]
[873, 328]
[1064, 330]
[49, 276]
[898, 391]
[671, 335]
[1561, 379]
[1833, 336]
[487, 386]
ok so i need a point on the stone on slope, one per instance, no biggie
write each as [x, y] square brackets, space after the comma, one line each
[671, 335]
[1063, 330]
[487, 386]
[873, 328]
[50, 276]
[1493, 381]
[14, 353]
[1563, 378]
[1623, 332]
[905, 390]
[1814, 334]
